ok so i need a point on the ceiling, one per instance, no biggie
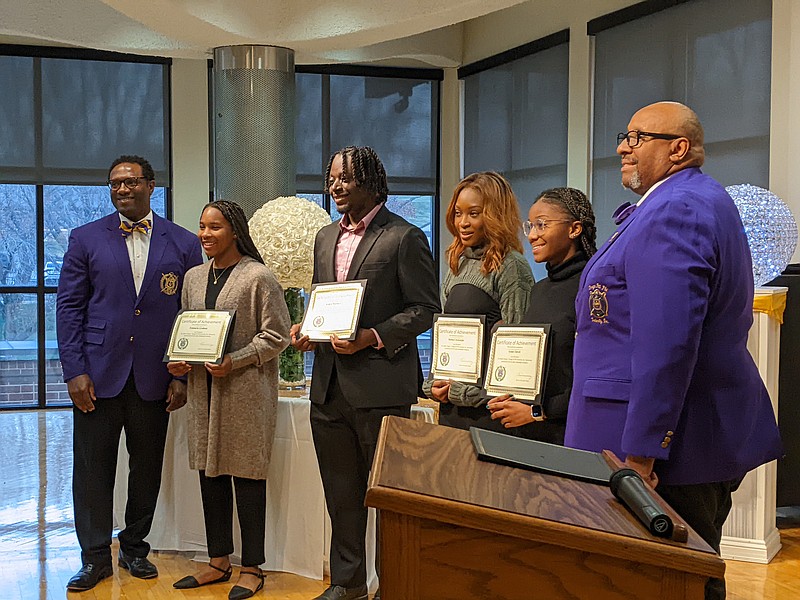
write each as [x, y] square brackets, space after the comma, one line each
[407, 32]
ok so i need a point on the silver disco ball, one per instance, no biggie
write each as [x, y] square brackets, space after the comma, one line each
[770, 227]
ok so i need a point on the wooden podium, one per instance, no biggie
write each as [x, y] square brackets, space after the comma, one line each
[454, 527]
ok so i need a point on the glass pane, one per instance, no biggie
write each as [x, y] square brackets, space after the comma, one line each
[393, 116]
[105, 109]
[18, 236]
[69, 206]
[16, 112]
[515, 122]
[308, 125]
[18, 376]
[515, 115]
[316, 198]
[56, 388]
[417, 210]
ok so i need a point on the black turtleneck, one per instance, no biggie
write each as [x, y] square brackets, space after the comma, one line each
[553, 302]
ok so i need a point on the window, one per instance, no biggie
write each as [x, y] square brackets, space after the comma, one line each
[712, 55]
[66, 114]
[396, 112]
[515, 119]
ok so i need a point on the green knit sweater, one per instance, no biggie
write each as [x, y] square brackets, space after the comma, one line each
[510, 286]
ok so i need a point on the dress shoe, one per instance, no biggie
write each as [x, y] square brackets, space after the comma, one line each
[239, 592]
[89, 576]
[138, 566]
[190, 581]
[337, 592]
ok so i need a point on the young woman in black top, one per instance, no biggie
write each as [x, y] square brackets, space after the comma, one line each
[561, 231]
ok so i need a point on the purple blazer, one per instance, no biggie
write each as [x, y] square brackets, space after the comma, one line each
[661, 367]
[104, 329]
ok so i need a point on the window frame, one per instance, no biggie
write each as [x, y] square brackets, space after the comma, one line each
[40, 177]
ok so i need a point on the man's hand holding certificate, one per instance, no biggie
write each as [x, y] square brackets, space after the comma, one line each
[333, 310]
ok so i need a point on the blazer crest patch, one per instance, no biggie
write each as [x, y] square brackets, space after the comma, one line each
[169, 284]
[598, 303]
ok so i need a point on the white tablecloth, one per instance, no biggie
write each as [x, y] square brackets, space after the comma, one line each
[297, 532]
[298, 527]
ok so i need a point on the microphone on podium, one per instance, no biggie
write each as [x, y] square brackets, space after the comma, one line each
[644, 502]
[628, 487]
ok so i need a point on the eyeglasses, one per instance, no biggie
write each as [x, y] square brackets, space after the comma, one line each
[539, 225]
[634, 137]
[130, 182]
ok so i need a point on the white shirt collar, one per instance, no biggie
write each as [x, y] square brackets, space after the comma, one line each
[651, 190]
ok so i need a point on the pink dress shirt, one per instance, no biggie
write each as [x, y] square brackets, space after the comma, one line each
[349, 239]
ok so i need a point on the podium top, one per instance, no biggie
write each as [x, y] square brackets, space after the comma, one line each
[432, 472]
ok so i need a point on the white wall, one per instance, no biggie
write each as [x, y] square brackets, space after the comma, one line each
[784, 140]
[190, 143]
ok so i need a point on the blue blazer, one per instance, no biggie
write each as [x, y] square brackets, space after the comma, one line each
[661, 366]
[104, 329]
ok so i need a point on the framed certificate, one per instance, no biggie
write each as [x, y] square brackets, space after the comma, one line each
[517, 361]
[458, 347]
[199, 336]
[334, 309]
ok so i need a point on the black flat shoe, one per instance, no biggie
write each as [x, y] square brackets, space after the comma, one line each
[89, 576]
[139, 566]
[239, 592]
[190, 582]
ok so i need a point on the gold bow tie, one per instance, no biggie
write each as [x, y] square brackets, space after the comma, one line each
[142, 226]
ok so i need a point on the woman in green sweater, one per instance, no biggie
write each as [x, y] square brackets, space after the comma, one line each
[487, 276]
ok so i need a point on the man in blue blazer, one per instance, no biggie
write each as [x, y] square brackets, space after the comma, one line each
[356, 383]
[662, 375]
[119, 292]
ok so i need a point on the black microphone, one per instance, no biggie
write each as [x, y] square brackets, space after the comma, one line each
[628, 487]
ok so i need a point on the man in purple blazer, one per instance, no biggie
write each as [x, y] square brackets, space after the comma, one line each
[662, 375]
[119, 292]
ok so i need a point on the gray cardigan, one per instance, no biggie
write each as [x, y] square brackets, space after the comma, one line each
[234, 435]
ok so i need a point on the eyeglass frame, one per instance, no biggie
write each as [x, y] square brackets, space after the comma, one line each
[126, 181]
[658, 136]
[527, 226]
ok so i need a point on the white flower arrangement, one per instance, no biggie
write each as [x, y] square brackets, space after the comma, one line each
[283, 231]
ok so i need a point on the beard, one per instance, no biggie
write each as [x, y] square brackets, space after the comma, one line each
[634, 181]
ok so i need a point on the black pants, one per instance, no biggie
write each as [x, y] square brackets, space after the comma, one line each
[95, 443]
[345, 439]
[251, 504]
[704, 506]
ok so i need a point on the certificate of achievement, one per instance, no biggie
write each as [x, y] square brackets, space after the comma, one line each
[333, 309]
[458, 347]
[199, 336]
[517, 361]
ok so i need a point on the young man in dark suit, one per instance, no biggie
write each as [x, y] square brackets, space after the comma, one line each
[356, 383]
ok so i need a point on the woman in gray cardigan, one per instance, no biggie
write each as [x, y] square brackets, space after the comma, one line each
[232, 406]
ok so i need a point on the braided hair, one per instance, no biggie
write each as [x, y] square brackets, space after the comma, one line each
[366, 169]
[576, 205]
[234, 214]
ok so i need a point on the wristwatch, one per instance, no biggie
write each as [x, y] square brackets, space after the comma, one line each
[537, 412]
